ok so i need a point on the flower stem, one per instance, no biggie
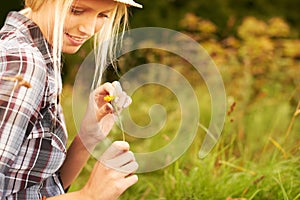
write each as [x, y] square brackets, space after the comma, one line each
[119, 121]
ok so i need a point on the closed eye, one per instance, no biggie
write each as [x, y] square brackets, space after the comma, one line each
[103, 15]
[76, 11]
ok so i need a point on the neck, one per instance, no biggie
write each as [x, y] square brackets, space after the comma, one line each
[26, 12]
[41, 21]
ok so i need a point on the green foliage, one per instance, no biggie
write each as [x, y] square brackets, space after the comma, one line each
[7, 6]
[167, 13]
[218, 11]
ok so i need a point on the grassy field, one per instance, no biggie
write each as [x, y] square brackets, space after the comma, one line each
[257, 156]
[257, 161]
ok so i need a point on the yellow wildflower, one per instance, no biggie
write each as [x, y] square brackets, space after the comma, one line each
[108, 98]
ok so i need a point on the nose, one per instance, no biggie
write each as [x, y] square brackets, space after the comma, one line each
[88, 27]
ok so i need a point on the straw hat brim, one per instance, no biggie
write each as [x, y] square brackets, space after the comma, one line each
[130, 3]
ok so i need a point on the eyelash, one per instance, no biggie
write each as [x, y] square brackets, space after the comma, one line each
[76, 12]
[103, 15]
[79, 12]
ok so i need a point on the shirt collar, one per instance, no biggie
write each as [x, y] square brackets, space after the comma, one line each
[32, 30]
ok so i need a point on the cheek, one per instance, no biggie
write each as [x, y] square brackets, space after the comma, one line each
[99, 25]
[68, 24]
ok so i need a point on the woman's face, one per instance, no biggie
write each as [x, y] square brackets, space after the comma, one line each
[85, 18]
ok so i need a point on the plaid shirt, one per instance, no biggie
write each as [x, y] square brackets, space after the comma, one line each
[32, 130]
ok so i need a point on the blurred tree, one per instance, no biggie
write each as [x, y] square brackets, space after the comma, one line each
[168, 13]
[7, 6]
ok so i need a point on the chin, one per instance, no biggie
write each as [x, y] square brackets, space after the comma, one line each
[70, 50]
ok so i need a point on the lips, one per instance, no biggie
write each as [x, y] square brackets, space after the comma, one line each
[75, 40]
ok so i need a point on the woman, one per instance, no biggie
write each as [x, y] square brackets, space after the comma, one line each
[34, 162]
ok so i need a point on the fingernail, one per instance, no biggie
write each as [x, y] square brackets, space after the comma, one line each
[108, 108]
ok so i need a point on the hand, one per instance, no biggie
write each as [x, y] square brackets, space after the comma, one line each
[99, 117]
[119, 158]
[112, 175]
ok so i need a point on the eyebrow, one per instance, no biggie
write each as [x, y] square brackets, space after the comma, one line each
[89, 8]
[106, 11]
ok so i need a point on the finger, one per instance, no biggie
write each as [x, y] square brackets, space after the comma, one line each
[106, 88]
[106, 124]
[114, 150]
[121, 100]
[129, 168]
[117, 88]
[121, 160]
[103, 111]
[100, 92]
[127, 102]
[121, 145]
[128, 181]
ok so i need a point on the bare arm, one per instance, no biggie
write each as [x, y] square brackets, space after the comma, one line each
[76, 158]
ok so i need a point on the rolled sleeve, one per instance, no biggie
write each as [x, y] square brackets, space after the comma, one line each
[22, 82]
[2, 181]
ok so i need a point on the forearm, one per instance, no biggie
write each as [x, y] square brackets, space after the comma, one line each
[77, 157]
[71, 196]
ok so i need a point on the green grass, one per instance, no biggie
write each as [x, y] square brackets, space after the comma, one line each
[247, 162]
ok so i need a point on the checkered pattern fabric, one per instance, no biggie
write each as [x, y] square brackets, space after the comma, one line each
[32, 129]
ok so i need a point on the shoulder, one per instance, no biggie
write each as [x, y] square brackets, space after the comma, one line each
[22, 78]
[16, 41]
[21, 58]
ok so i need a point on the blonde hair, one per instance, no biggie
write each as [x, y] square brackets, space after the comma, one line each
[105, 42]
[61, 9]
